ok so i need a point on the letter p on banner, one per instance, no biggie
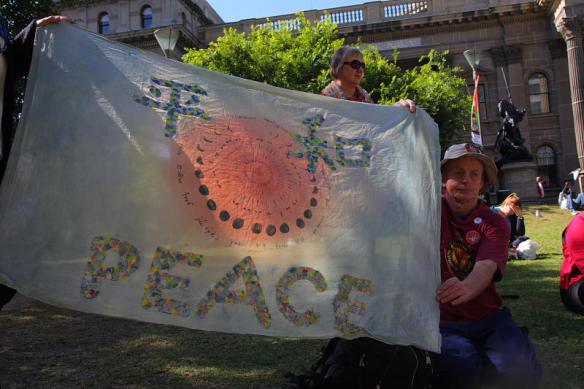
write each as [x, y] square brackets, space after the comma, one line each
[97, 270]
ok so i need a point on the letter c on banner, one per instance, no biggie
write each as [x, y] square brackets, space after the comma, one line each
[293, 275]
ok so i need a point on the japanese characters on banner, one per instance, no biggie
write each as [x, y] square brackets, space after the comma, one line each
[145, 188]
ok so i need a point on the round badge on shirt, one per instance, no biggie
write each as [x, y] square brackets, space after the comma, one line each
[472, 237]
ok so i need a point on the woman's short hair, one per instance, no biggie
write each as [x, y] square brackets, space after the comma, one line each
[338, 59]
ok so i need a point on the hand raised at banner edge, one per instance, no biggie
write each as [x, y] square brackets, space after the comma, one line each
[54, 19]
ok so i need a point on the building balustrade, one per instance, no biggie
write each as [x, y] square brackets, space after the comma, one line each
[344, 17]
[405, 8]
[373, 12]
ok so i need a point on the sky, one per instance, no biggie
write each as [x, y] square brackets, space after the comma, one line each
[234, 10]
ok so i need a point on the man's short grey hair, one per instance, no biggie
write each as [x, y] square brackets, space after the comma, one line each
[339, 58]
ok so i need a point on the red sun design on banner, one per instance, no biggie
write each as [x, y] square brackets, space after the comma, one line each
[251, 189]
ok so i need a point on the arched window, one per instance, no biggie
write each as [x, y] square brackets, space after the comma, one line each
[539, 98]
[103, 23]
[183, 18]
[546, 164]
[146, 16]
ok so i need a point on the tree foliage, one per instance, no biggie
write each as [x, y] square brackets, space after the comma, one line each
[300, 60]
[292, 59]
[19, 13]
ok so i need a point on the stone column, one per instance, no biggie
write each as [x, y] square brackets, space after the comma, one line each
[571, 31]
[373, 12]
[168, 13]
[567, 154]
[123, 16]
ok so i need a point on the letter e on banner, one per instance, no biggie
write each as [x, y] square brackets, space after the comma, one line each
[252, 295]
[283, 286]
[342, 305]
[159, 278]
[96, 270]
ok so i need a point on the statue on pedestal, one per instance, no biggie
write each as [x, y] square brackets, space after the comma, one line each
[509, 141]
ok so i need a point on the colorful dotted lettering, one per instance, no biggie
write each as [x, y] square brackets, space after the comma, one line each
[252, 295]
[293, 275]
[342, 305]
[159, 279]
[313, 147]
[175, 105]
[97, 270]
[365, 145]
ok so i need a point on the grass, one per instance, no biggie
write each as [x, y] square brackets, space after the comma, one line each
[558, 335]
[43, 346]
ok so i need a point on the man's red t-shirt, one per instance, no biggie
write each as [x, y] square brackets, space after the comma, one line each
[482, 234]
[573, 244]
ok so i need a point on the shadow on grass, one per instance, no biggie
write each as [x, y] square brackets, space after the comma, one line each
[43, 346]
[548, 256]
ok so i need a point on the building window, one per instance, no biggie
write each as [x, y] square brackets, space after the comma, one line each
[146, 15]
[539, 98]
[183, 18]
[546, 165]
[482, 99]
[103, 23]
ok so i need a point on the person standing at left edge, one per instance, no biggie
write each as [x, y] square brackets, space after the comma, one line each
[481, 343]
[15, 58]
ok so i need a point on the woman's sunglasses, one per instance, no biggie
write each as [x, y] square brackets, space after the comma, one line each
[355, 64]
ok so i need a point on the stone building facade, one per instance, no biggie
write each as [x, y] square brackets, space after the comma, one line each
[134, 21]
[533, 47]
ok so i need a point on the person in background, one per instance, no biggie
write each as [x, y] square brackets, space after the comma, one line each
[511, 210]
[572, 271]
[540, 190]
[15, 59]
[347, 70]
[568, 196]
[366, 362]
[480, 340]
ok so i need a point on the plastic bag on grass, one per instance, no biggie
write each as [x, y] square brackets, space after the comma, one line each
[528, 249]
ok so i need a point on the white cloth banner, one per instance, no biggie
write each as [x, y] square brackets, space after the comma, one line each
[146, 188]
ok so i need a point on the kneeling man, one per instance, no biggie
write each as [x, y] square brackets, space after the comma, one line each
[479, 337]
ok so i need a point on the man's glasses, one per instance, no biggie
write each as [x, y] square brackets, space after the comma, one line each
[355, 64]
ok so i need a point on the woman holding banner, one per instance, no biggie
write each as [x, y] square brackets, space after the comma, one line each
[347, 70]
[365, 362]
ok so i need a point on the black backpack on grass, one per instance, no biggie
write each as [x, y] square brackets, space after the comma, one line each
[366, 363]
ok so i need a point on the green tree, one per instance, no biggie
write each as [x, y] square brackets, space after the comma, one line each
[300, 60]
[19, 13]
[438, 89]
[292, 59]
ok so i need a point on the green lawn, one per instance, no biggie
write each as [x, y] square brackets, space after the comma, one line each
[42, 346]
[558, 334]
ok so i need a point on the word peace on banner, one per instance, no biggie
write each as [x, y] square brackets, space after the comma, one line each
[160, 279]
